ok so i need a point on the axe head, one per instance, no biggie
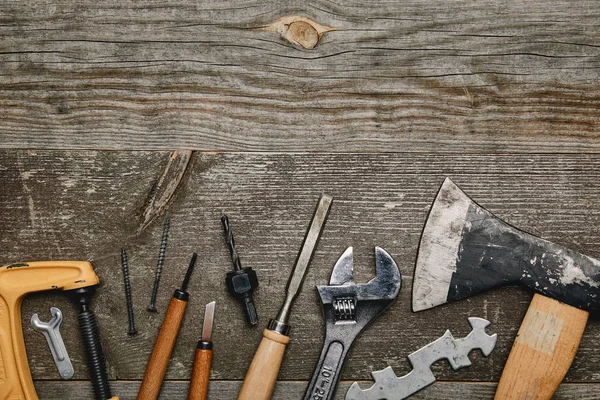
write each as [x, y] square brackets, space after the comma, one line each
[465, 250]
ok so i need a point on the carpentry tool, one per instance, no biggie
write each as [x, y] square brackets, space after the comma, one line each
[465, 250]
[77, 279]
[390, 387]
[51, 331]
[240, 282]
[159, 359]
[262, 374]
[349, 308]
[203, 358]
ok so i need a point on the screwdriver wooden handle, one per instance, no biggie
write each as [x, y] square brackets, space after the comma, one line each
[159, 360]
[262, 374]
[543, 350]
[200, 373]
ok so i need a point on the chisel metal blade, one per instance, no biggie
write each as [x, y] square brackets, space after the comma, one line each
[209, 315]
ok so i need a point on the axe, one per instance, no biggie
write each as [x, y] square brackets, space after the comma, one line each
[465, 250]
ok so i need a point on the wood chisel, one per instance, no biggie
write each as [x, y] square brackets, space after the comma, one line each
[262, 374]
[159, 360]
[203, 358]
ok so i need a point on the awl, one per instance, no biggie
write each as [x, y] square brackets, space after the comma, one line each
[262, 374]
[159, 359]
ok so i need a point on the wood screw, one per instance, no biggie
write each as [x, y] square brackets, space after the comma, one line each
[160, 264]
[132, 330]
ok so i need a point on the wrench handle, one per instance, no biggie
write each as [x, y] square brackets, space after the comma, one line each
[262, 374]
[328, 371]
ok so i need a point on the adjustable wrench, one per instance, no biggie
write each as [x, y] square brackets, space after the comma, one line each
[348, 308]
[51, 331]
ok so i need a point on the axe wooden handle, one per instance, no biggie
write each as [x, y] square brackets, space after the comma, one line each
[543, 351]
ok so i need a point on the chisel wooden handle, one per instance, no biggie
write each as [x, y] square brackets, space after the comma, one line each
[543, 350]
[159, 360]
[201, 372]
[262, 374]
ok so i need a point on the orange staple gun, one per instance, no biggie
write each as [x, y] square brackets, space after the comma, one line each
[78, 280]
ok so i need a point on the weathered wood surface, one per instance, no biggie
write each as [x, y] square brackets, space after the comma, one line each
[417, 75]
[224, 390]
[87, 205]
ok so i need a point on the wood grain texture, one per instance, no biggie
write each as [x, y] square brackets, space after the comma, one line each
[286, 390]
[398, 76]
[87, 205]
[543, 351]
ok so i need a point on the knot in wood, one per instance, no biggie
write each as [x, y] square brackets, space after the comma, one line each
[302, 34]
[300, 31]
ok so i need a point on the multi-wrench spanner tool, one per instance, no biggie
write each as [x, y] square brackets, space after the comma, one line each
[388, 386]
[57, 347]
[348, 308]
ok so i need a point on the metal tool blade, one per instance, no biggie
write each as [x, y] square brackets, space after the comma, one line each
[466, 250]
[343, 271]
[438, 250]
[310, 243]
[207, 326]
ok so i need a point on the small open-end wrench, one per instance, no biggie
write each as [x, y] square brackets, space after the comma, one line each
[51, 330]
[349, 308]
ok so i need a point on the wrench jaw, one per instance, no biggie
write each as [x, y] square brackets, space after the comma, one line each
[384, 286]
[348, 308]
[343, 270]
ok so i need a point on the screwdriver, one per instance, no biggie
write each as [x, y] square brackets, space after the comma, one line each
[159, 360]
[203, 358]
[262, 373]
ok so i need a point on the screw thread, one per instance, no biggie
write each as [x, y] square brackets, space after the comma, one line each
[160, 263]
[128, 299]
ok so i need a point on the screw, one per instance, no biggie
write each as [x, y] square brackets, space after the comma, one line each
[132, 330]
[160, 263]
[241, 282]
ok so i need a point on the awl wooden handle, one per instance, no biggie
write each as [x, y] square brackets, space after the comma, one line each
[262, 374]
[543, 350]
[159, 360]
[200, 375]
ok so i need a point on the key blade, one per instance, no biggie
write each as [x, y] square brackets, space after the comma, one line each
[209, 315]
[310, 243]
[343, 271]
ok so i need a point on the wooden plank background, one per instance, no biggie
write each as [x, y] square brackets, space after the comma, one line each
[500, 96]
[410, 75]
